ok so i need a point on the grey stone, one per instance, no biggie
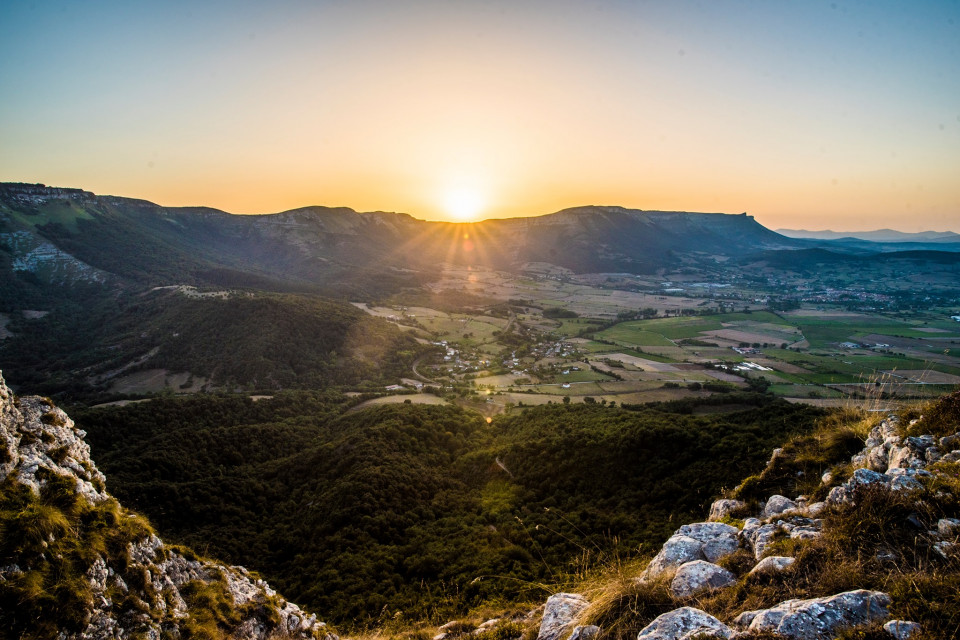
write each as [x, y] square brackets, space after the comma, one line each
[949, 443]
[694, 577]
[906, 455]
[683, 624]
[484, 626]
[953, 456]
[804, 532]
[878, 457]
[560, 613]
[945, 548]
[772, 564]
[776, 505]
[905, 483]
[901, 629]
[920, 443]
[948, 527]
[704, 531]
[723, 507]
[698, 541]
[761, 537]
[818, 618]
[863, 477]
[838, 495]
[675, 552]
[718, 540]
[584, 632]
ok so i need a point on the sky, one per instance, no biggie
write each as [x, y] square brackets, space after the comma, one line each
[807, 115]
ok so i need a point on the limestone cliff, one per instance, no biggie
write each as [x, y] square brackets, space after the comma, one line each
[75, 564]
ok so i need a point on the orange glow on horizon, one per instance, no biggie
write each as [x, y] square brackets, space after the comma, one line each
[469, 111]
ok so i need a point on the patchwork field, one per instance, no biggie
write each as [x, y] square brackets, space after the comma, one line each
[811, 355]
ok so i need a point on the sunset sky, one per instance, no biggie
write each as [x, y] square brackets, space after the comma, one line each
[841, 115]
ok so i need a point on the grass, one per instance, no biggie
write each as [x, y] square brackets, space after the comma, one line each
[797, 470]
[940, 419]
[55, 537]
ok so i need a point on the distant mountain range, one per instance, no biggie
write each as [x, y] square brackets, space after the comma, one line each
[338, 248]
[55, 236]
[879, 235]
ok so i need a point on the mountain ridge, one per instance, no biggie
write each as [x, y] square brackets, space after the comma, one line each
[876, 235]
[334, 247]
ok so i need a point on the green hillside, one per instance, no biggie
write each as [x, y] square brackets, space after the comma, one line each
[245, 340]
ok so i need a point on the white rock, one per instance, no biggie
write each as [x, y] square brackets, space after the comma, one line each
[697, 576]
[584, 632]
[675, 552]
[559, 614]
[698, 541]
[776, 505]
[723, 507]
[948, 527]
[901, 629]
[683, 624]
[818, 618]
[772, 564]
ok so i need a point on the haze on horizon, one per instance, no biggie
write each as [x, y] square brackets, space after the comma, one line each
[820, 115]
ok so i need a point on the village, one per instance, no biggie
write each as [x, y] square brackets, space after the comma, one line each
[552, 337]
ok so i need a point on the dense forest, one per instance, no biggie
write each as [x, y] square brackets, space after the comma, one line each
[423, 511]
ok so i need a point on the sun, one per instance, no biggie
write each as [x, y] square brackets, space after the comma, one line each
[463, 203]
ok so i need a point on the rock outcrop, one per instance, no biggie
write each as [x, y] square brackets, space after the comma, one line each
[818, 618]
[125, 582]
[708, 541]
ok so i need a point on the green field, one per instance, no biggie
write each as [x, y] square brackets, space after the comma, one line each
[464, 329]
[581, 376]
[572, 326]
[690, 327]
[635, 336]
[61, 212]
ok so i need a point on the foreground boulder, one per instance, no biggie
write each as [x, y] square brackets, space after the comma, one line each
[684, 624]
[709, 541]
[698, 576]
[818, 618]
[560, 614]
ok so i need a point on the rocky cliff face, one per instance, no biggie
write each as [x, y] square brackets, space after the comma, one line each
[75, 565]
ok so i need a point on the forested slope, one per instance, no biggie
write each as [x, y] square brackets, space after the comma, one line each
[405, 507]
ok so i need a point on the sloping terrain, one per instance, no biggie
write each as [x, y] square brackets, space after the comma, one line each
[426, 510]
[238, 340]
[75, 564]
